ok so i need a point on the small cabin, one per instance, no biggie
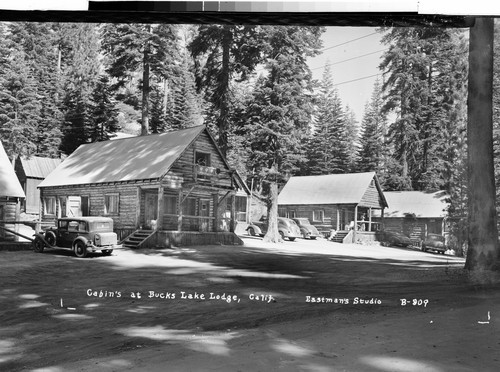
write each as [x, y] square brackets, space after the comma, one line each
[173, 188]
[31, 172]
[339, 205]
[11, 196]
[416, 213]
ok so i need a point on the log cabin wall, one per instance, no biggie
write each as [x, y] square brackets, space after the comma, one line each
[125, 218]
[185, 165]
[328, 221]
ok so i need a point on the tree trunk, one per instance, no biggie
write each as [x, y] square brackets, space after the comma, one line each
[482, 225]
[145, 94]
[224, 98]
[272, 235]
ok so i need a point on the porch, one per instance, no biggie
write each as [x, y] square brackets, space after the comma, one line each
[193, 215]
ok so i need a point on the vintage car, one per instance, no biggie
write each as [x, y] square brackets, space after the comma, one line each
[307, 230]
[434, 242]
[392, 238]
[286, 227]
[80, 234]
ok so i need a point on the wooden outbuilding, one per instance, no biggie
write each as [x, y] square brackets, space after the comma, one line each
[416, 213]
[30, 172]
[11, 195]
[166, 189]
[340, 202]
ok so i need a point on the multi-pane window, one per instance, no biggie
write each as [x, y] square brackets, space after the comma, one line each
[170, 206]
[318, 215]
[111, 203]
[241, 208]
[189, 207]
[49, 205]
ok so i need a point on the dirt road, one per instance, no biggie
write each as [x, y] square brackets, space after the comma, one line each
[296, 306]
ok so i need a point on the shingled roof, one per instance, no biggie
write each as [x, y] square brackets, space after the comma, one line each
[9, 184]
[128, 159]
[328, 189]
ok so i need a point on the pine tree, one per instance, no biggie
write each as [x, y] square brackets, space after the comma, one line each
[37, 41]
[329, 145]
[222, 53]
[281, 110]
[104, 115]
[148, 48]
[372, 139]
[20, 106]
[425, 72]
[80, 68]
[352, 130]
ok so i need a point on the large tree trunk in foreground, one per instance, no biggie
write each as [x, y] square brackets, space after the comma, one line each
[483, 235]
[272, 234]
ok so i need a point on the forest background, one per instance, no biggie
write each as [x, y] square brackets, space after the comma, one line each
[65, 84]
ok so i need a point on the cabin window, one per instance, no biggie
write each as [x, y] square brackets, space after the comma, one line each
[49, 205]
[170, 206]
[318, 215]
[189, 207]
[202, 158]
[292, 214]
[111, 203]
[241, 208]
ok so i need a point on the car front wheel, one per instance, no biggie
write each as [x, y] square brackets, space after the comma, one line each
[107, 252]
[291, 239]
[80, 250]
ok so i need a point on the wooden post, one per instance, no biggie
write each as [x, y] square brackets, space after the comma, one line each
[216, 213]
[355, 223]
[160, 209]
[179, 211]
[338, 218]
[233, 214]
[482, 252]
[370, 219]
[138, 208]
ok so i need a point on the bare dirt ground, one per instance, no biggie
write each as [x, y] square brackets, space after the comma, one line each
[250, 308]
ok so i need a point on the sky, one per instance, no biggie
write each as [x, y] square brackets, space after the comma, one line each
[353, 78]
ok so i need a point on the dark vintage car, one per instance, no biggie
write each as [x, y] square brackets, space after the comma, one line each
[80, 234]
[393, 238]
[307, 230]
[434, 242]
[286, 227]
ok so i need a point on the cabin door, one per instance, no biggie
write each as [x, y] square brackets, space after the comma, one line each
[150, 209]
[204, 212]
[73, 207]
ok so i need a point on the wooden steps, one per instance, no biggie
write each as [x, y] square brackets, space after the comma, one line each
[136, 239]
[339, 237]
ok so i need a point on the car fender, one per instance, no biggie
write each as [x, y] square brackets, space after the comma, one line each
[256, 228]
[83, 240]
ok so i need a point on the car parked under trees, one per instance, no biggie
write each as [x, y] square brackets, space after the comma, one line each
[82, 235]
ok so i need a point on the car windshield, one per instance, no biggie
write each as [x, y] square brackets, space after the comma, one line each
[303, 221]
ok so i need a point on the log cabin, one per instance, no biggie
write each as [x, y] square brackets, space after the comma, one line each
[11, 196]
[338, 203]
[161, 190]
[416, 213]
[31, 172]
